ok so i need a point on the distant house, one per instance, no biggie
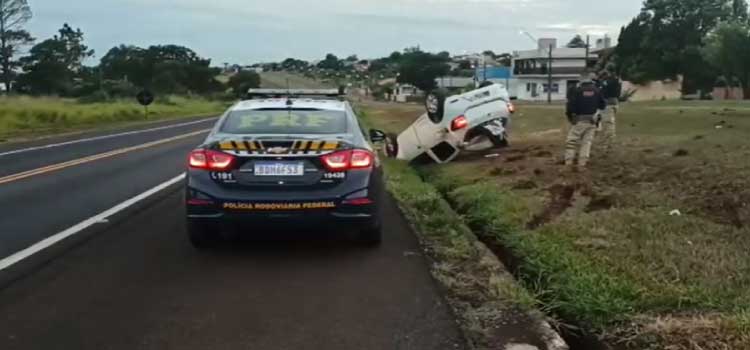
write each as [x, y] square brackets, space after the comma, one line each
[403, 92]
[362, 66]
[531, 70]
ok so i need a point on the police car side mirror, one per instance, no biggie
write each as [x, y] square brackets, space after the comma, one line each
[377, 135]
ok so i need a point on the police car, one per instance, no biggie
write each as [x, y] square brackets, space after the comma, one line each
[285, 158]
[474, 121]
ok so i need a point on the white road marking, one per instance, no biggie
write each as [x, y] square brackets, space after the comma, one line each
[104, 137]
[52, 240]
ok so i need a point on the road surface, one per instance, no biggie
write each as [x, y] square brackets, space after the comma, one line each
[71, 278]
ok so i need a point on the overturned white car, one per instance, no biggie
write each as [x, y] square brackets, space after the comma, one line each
[474, 121]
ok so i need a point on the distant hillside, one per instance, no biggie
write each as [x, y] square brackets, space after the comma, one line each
[278, 80]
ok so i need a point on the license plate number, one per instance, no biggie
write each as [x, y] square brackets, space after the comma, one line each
[279, 169]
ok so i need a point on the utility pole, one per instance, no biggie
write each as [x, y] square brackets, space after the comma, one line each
[588, 48]
[484, 69]
[549, 76]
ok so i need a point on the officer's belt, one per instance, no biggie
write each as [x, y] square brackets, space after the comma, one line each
[590, 118]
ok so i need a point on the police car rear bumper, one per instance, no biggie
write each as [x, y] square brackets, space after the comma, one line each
[270, 222]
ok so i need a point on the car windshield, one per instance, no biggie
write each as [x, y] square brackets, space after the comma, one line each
[285, 121]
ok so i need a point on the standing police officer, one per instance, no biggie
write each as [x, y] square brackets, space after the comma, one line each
[611, 88]
[584, 105]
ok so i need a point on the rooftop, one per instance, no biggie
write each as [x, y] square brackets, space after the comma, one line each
[560, 52]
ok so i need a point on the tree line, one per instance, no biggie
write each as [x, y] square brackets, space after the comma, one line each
[56, 66]
[699, 40]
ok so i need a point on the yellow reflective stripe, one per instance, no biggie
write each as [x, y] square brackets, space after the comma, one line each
[302, 145]
[226, 145]
[330, 145]
[315, 145]
[240, 146]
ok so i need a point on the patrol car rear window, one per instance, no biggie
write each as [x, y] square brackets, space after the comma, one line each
[285, 121]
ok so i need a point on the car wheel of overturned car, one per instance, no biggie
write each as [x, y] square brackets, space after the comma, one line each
[391, 145]
[435, 105]
[200, 236]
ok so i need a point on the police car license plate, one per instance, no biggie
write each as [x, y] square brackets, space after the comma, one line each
[279, 169]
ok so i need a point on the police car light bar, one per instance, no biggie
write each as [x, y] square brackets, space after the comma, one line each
[279, 93]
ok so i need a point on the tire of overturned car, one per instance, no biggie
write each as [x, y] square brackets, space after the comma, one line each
[435, 104]
[390, 146]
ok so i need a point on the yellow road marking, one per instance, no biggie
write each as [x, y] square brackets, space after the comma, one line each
[68, 164]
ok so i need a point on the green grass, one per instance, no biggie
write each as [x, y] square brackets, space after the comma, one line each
[22, 116]
[479, 288]
[628, 271]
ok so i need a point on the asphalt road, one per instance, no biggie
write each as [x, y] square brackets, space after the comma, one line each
[134, 282]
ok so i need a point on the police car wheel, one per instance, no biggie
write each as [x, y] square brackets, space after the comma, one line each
[372, 236]
[200, 237]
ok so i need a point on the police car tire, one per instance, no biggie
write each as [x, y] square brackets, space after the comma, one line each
[199, 236]
[372, 236]
[440, 95]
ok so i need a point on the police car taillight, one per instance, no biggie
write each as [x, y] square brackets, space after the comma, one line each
[347, 160]
[210, 160]
[459, 123]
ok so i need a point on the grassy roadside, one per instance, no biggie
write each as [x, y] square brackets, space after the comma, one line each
[22, 116]
[492, 308]
[600, 249]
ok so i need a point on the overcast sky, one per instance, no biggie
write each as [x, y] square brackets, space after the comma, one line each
[248, 31]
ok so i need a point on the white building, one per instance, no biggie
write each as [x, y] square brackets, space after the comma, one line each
[402, 92]
[530, 70]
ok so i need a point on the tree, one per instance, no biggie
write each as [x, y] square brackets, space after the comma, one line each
[505, 59]
[489, 53]
[577, 42]
[294, 64]
[395, 56]
[164, 68]
[243, 81]
[739, 9]
[421, 69]
[126, 62]
[665, 40]
[52, 65]
[728, 50]
[13, 15]
[330, 62]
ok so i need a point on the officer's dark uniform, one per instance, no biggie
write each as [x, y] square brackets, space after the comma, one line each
[584, 102]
